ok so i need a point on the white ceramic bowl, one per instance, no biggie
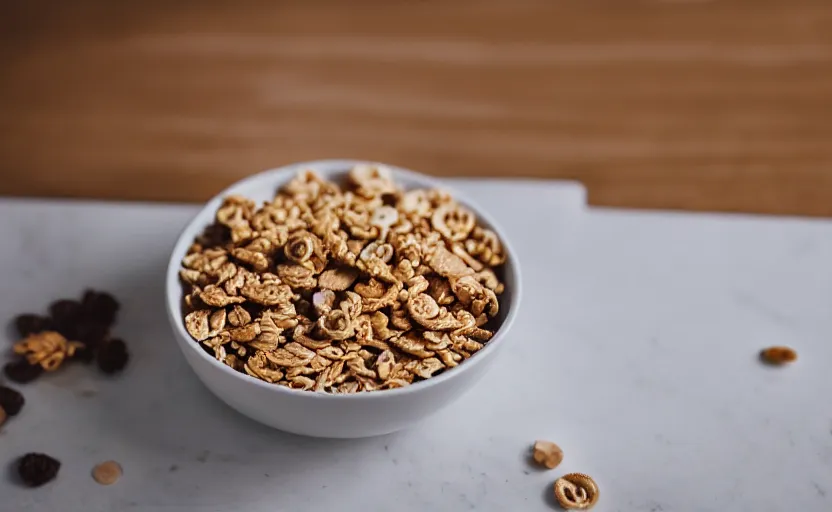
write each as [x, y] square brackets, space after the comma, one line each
[319, 414]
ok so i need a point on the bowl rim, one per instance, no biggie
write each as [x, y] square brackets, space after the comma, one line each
[278, 176]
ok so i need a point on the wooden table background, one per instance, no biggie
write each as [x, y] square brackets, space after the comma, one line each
[694, 104]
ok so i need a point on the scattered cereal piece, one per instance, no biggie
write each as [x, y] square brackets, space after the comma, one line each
[548, 454]
[112, 356]
[576, 491]
[49, 349]
[11, 401]
[36, 469]
[21, 371]
[3, 416]
[107, 473]
[778, 355]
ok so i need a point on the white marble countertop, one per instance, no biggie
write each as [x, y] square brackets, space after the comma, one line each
[635, 351]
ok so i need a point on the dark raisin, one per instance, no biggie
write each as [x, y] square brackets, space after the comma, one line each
[65, 311]
[21, 371]
[68, 331]
[11, 400]
[99, 307]
[36, 469]
[85, 354]
[65, 317]
[112, 356]
[91, 334]
[28, 324]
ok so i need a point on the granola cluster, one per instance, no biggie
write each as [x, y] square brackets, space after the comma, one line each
[73, 330]
[343, 289]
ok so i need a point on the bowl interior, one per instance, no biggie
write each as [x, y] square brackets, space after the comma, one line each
[263, 186]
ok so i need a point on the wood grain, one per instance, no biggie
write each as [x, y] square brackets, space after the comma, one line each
[693, 104]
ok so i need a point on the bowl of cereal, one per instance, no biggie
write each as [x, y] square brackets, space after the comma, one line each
[341, 298]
